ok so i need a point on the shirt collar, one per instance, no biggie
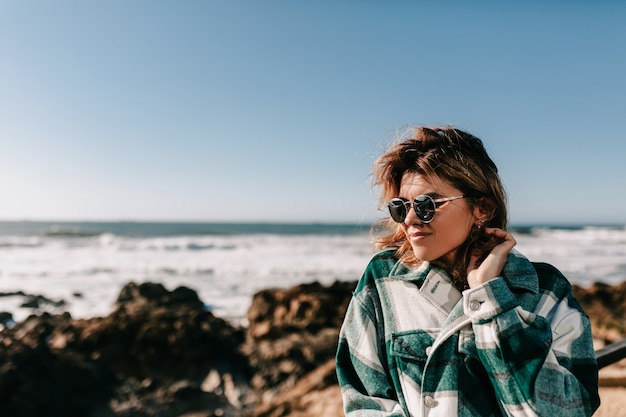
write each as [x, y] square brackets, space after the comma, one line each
[518, 272]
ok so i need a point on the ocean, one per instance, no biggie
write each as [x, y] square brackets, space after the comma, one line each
[80, 267]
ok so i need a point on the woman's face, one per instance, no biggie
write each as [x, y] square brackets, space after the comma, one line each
[450, 226]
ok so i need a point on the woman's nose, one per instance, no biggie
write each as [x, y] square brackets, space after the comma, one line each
[411, 217]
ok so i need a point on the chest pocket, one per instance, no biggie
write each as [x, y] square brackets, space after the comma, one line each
[410, 351]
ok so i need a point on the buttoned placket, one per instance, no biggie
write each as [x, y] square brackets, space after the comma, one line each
[429, 402]
[440, 292]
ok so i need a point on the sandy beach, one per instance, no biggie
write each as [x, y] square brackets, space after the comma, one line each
[613, 390]
[613, 402]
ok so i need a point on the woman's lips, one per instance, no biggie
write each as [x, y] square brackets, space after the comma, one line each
[418, 236]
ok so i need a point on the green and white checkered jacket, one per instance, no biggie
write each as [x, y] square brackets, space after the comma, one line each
[518, 345]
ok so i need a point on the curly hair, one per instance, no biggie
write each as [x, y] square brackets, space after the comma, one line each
[441, 154]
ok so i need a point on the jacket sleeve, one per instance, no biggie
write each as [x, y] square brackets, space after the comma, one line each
[366, 388]
[541, 362]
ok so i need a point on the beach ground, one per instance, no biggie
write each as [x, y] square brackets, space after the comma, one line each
[613, 390]
[613, 402]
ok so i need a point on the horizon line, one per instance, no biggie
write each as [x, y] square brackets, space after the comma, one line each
[520, 224]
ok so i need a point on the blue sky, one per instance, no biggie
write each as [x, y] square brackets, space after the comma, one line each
[275, 110]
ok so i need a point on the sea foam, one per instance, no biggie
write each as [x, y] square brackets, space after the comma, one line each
[86, 266]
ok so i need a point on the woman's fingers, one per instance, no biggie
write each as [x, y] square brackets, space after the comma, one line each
[492, 266]
[508, 241]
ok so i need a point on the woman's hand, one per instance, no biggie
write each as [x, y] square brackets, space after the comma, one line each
[480, 272]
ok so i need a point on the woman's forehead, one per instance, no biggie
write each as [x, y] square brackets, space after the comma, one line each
[425, 184]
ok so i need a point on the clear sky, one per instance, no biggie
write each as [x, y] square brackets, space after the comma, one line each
[275, 110]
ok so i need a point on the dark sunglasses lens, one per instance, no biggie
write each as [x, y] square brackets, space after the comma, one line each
[397, 210]
[424, 208]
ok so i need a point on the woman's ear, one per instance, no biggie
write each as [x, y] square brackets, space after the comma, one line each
[484, 210]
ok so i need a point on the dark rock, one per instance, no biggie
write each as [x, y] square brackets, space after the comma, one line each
[37, 380]
[150, 357]
[291, 334]
[315, 394]
[606, 307]
[6, 318]
[31, 302]
[161, 353]
[12, 294]
[39, 301]
[157, 294]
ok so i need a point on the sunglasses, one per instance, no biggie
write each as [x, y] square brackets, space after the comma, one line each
[424, 206]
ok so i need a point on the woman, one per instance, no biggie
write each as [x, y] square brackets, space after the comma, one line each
[447, 320]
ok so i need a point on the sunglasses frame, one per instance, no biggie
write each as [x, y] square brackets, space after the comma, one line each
[424, 198]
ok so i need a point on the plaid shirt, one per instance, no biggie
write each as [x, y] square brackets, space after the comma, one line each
[518, 345]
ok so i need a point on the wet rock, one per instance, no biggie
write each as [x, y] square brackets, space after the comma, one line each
[35, 302]
[149, 357]
[606, 307]
[292, 334]
[6, 318]
[35, 378]
[315, 394]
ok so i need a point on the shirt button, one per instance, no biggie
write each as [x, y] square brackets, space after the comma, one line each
[428, 350]
[474, 305]
[429, 401]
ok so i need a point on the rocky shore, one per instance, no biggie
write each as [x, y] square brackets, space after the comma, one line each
[161, 353]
